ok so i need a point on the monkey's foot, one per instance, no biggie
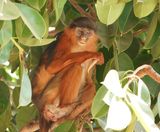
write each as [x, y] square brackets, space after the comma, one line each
[53, 113]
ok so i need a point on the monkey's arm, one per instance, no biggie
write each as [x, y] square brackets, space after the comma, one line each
[58, 64]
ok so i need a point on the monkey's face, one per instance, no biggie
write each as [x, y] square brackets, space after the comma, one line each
[83, 35]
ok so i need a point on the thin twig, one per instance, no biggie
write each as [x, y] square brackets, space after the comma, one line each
[79, 9]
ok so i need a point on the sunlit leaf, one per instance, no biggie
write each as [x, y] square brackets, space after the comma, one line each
[8, 10]
[37, 4]
[108, 98]
[5, 50]
[59, 5]
[112, 83]
[143, 92]
[99, 108]
[25, 91]
[33, 20]
[6, 32]
[143, 112]
[119, 115]
[35, 42]
[108, 14]
[143, 8]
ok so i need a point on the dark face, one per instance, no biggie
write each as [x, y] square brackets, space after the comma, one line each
[83, 35]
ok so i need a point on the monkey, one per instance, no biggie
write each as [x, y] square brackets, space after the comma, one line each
[63, 86]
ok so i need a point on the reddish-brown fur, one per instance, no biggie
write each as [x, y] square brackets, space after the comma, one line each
[63, 88]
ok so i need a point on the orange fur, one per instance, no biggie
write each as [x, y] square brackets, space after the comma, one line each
[64, 87]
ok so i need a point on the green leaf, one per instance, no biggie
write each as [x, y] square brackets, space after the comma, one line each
[4, 97]
[127, 20]
[99, 108]
[151, 29]
[5, 50]
[25, 115]
[68, 126]
[125, 62]
[158, 103]
[155, 51]
[143, 92]
[33, 20]
[123, 42]
[155, 37]
[108, 14]
[37, 4]
[119, 115]
[143, 8]
[8, 10]
[58, 6]
[35, 42]
[21, 29]
[5, 118]
[25, 91]
[6, 32]
[143, 112]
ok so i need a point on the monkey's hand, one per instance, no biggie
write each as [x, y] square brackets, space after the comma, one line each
[100, 58]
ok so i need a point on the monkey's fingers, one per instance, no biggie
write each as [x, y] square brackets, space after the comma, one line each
[100, 58]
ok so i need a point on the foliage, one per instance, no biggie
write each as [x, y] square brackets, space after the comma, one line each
[129, 37]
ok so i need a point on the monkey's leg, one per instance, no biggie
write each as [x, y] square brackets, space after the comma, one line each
[86, 101]
[66, 98]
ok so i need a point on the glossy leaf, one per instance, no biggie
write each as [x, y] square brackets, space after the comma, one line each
[108, 14]
[99, 108]
[31, 42]
[5, 50]
[58, 6]
[119, 115]
[112, 83]
[8, 10]
[144, 7]
[108, 98]
[123, 42]
[37, 4]
[33, 20]
[6, 32]
[143, 112]
[25, 91]
[143, 92]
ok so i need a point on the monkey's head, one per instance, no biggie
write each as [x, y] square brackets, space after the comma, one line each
[84, 31]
